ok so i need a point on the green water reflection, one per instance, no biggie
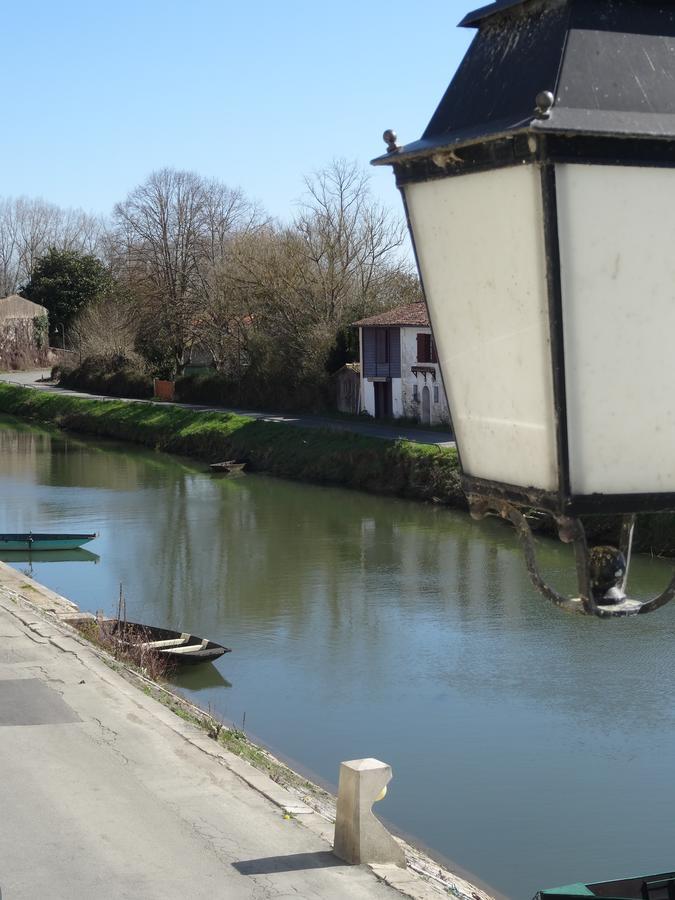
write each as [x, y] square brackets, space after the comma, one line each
[531, 747]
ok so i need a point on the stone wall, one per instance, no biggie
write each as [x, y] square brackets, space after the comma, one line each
[19, 344]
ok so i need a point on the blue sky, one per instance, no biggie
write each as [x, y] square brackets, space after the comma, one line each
[255, 94]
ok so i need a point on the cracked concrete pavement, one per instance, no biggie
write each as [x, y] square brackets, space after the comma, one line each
[101, 797]
[107, 793]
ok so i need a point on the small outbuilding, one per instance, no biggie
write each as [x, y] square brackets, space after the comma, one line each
[348, 383]
[24, 333]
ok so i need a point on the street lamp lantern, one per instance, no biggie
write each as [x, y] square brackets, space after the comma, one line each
[541, 204]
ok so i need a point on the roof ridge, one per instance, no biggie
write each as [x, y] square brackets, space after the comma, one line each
[412, 314]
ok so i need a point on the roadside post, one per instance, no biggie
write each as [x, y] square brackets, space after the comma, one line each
[540, 204]
[359, 836]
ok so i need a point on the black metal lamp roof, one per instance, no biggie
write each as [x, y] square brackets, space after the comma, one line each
[610, 65]
[474, 18]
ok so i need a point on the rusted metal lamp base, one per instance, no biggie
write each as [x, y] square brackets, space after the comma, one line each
[602, 572]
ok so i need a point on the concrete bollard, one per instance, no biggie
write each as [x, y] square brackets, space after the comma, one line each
[359, 836]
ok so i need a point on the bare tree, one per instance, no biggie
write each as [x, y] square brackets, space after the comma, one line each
[351, 244]
[170, 234]
[339, 260]
[29, 228]
[106, 327]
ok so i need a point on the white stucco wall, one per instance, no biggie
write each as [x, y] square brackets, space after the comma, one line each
[396, 398]
[367, 396]
[410, 407]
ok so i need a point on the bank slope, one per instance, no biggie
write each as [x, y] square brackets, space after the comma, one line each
[322, 456]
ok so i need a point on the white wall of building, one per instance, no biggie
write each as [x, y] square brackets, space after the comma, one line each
[367, 396]
[396, 397]
[411, 406]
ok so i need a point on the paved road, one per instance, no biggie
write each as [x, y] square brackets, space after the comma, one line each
[106, 794]
[370, 429]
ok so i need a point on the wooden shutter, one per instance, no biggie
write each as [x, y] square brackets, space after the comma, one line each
[369, 353]
[382, 346]
[394, 352]
[421, 348]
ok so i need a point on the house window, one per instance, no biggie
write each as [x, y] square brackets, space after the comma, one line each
[416, 393]
[382, 345]
[426, 349]
[436, 394]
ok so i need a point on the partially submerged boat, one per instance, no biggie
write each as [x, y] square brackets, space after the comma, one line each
[37, 541]
[643, 887]
[228, 467]
[180, 648]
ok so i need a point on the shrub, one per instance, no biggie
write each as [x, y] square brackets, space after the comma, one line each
[115, 376]
[254, 392]
[132, 649]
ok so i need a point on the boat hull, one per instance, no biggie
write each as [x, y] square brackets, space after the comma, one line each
[639, 888]
[187, 649]
[229, 467]
[34, 541]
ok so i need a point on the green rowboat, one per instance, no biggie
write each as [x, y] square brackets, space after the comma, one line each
[35, 541]
[644, 887]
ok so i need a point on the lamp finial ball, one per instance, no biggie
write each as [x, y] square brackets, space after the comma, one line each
[543, 104]
[390, 138]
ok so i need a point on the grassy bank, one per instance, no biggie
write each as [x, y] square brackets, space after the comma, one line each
[398, 468]
[322, 456]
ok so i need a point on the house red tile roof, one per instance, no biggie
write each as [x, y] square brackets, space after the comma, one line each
[414, 314]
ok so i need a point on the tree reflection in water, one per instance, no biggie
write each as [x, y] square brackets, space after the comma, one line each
[366, 626]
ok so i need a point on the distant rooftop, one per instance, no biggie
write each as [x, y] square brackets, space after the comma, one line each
[350, 367]
[16, 307]
[414, 314]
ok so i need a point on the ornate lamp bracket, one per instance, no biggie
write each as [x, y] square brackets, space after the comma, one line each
[602, 572]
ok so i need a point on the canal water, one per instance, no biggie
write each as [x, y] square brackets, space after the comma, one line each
[530, 748]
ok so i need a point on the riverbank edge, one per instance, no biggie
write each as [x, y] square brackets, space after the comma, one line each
[295, 795]
[400, 468]
[320, 456]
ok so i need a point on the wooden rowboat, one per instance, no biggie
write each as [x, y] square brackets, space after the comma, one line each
[179, 647]
[35, 541]
[228, 467]
[644, 887]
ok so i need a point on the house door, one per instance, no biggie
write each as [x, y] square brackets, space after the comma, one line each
[426, 406]
[382, 399]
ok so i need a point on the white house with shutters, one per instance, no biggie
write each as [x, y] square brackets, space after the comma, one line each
[400, 376]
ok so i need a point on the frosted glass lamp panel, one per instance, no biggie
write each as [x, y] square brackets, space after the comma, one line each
[480, 245]
[617, 245]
